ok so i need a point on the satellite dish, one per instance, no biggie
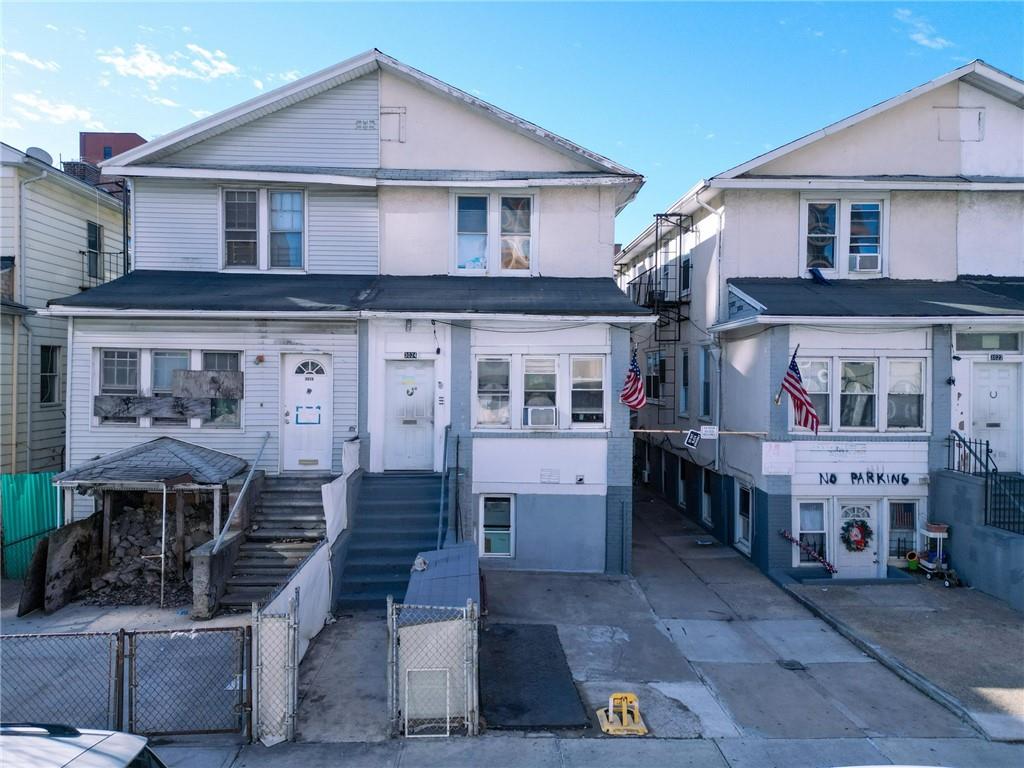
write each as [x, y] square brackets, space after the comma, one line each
[39, 154]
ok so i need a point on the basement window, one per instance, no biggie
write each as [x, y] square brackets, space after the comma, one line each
[497, 526]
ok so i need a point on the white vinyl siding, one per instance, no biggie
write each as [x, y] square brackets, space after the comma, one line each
[260, 406]
[178, 225]
[337, 128]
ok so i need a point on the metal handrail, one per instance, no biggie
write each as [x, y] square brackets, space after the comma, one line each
[241, 495]
[986, 461]
[444, 484]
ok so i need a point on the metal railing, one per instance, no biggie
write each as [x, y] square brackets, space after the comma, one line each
[659, 286]
[241, 495]
[100, 267]
[444, 486]
[1004, 492]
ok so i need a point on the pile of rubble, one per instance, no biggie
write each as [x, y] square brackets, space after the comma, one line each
[133, 576]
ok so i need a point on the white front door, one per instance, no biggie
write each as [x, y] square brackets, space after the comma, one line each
[306, 413]
[996, 397]
[857, 563]
[409, 416]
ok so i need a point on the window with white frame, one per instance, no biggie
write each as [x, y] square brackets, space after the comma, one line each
[94, 249]
[812, 533]
[224, 412]
[902, 527]
[119, 375]
[706, 364]
[857, 394]
[164, 364]
[241, 225]
[815, 376]
[684, 381]
[587, 396]
[843, 235]
[552, 391]
[905, 394]
[655, 375]
[497, 526]
[846, 392]
[286, 220]
[495, 233]
[744, 514]
[49, 375]
[493, 390]
[540, 392]
[264, 228]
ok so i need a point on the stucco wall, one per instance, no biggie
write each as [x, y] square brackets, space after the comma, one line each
[986, 558]
[441, 132]
[990, 232]
[574, 234]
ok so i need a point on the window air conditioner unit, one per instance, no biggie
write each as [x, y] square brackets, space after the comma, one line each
[538, 417]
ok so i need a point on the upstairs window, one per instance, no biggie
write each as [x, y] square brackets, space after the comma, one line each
[815, 375]
[286, 229]
[93, 248]
[588, 390]
[49, 375]
[540, 392]
[684, 381]
[906, 394]
[494, 233]
[108, 152]
[241, 214]
[655, 375]
[857, 394]
[843, 236]
[706, 364]
[493, 377]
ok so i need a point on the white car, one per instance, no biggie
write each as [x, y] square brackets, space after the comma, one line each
[38, 745]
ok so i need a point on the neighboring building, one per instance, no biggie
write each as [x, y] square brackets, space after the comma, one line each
[96, 147]
[381, 256]
[58, 236]
[863, 246]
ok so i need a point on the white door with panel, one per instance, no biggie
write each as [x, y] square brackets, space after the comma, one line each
[996, 397]
[409, 415]
[863, 562]
[307, 395]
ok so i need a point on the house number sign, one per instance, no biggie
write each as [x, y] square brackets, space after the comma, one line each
[411, 355]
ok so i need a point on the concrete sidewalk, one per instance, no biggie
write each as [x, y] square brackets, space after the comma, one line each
[967, 644]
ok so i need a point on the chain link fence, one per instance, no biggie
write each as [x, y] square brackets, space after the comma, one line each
[152, 682]
[432, 670]
[276, 673]
[65, 678]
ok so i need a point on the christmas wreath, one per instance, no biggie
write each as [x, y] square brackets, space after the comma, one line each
[856, 535]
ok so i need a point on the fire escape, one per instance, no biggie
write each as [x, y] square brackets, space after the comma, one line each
[663, 285]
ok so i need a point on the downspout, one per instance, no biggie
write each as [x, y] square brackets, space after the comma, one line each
[718, 314]
[20, 274]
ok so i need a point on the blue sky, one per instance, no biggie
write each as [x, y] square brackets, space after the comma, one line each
[677, 91]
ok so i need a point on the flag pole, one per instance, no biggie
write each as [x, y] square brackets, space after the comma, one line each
[778, 395]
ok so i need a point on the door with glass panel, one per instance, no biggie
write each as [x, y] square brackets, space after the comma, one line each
[857, 559]
[306, 420]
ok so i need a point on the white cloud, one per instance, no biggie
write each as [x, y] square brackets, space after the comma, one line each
[150, 65]
[211, 65]
[186, 29]
[144, 28]
[709, 136]
[258, 84]
[921, 32]
[24, 58]
[9, 123]
[32, 106]
[162, 101]
[200, 113]
[291, 74]
[52, 28]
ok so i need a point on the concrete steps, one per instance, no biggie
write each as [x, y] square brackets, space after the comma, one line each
[286, 525]
[396, 518]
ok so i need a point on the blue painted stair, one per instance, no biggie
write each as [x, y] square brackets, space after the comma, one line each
[396, 518]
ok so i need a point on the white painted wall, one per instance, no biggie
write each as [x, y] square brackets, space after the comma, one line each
[444, 133]
[747, 392]
[540, 465]
[574, 235]
[261, 410]
[1001, 153]
[990, 233]
[337, 128]
[922, 235]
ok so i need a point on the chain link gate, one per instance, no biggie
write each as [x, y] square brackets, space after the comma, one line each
[275, 653]
[432, 670]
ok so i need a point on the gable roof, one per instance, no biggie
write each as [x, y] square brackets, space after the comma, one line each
[977, 73]
[328, 78]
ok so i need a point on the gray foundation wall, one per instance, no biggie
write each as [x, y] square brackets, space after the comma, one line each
[986, 558]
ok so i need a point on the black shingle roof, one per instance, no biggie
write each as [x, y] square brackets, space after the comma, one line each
[157, 461]
[883, 297]
[227, 292]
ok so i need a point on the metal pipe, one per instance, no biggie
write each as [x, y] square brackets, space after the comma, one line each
[28, 395]
[163, 544]
[15, 348]
[241, 495]
[718, 311]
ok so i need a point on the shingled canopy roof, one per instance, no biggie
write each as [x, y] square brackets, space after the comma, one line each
[163, 461]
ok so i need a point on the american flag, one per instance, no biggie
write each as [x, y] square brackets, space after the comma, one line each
[633, 394]
[803, 408]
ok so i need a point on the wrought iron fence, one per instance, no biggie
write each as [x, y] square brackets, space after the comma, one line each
[432, 670]
[971, 457]
[100, 267]
[1005, 508]
[150, 682]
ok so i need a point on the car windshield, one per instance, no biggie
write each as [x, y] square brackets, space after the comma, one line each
[146, 759]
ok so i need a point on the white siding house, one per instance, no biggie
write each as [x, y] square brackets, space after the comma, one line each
[383, 257]
[887, 252]
[59, 236]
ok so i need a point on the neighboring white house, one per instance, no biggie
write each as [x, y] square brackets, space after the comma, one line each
[381, 256]
[58, 236]
[863, 245]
